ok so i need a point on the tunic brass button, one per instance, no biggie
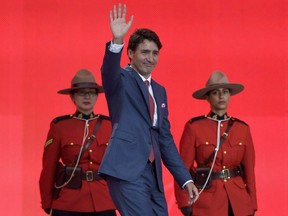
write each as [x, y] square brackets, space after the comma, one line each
[71, 143]
[225, 152]
[206, 142]
[91, 162]
[221, 125]
[224, 167]
[90, 150]
[240, 143]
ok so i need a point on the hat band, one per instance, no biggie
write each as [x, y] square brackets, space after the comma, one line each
[215, 84]
[84, 84]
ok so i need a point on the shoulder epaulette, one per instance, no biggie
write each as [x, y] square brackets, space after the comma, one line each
[238, 120]
[61, 118]
[104, 117]
[196, 119]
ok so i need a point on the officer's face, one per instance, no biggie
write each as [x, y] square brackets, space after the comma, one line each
[85, 99]
[144, 58]
[219, 100]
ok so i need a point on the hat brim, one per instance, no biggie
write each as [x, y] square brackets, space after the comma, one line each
[235, 88]
[69, 90]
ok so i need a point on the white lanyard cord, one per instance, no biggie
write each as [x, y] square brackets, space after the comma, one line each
[86, 132]
[214, 158]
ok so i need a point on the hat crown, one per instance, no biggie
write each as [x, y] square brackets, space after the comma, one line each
[83, 76]
[82, 79]
[216, 78]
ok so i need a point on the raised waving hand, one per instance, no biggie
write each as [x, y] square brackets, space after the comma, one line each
[118, 24]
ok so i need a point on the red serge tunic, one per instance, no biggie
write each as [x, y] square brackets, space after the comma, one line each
[63, 143]
[198, 141]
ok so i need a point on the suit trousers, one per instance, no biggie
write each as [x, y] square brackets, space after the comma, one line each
[139, 197]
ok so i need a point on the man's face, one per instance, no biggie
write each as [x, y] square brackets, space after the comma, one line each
[145, 57]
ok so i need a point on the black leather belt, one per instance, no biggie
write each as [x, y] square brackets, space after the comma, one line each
[226, 173]
[90, 176]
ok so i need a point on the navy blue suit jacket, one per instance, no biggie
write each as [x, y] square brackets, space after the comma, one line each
[128, 150]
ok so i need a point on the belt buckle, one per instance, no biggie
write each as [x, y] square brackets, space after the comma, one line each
[226, 174]
[89, 176]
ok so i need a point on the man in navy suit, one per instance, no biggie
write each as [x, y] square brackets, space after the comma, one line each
[141, 135]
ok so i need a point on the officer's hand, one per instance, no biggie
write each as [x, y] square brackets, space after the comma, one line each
[186, 211]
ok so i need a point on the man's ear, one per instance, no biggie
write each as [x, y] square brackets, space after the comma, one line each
[130, 53]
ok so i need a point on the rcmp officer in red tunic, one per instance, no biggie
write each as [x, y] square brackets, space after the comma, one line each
[79, 142]
[231, 161]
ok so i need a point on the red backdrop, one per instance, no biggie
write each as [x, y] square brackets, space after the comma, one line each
[43, 44]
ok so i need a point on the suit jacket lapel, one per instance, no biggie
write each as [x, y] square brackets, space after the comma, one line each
[157, 96]
[143, 90]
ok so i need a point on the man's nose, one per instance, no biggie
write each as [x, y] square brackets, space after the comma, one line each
[150, 57]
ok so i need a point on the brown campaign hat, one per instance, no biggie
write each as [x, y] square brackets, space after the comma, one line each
[218, 80]
[82, 79]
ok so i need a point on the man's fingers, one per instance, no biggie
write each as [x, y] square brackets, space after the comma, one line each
[130, 21]
[118, 13]
[196, 195]
[191, 200]
[111, 16]
[119, 10]
[193, 196]
[124, 11]
[115, 11]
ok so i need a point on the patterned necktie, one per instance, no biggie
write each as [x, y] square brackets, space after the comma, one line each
[152, 110]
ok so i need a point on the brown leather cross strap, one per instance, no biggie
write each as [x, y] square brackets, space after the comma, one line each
[91, 138]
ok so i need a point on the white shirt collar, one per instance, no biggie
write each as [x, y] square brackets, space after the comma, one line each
[142, 77]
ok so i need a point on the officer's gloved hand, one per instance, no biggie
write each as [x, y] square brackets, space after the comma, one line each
[186, 211]
[47, 211]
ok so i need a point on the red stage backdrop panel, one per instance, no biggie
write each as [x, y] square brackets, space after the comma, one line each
[44, 43]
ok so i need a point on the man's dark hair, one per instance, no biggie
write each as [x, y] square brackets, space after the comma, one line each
[139, 35]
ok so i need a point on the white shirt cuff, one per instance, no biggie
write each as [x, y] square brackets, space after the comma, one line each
[115, 48]
[183, 186]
